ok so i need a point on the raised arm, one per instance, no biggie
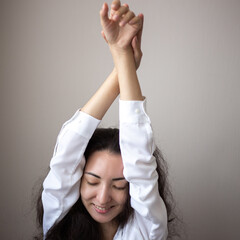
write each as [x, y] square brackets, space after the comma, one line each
[100, 102]
[120, 33]
[136, 136]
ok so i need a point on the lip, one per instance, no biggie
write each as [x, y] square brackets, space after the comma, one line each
[101, 210]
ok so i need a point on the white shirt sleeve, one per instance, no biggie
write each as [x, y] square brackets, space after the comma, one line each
[137, 147]
[61, 186]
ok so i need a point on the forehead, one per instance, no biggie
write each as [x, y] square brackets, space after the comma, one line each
[105, 164]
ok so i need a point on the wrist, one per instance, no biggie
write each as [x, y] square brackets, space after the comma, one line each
[122, 56]
[120, 51]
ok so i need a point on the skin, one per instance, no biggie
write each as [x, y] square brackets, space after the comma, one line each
[119, 40]
[100, 102]
[122, 30]
[104, 189]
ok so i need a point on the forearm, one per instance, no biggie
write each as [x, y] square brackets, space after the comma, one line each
[127, 76]
[100, 102]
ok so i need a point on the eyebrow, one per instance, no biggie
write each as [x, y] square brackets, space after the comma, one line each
[114, 179]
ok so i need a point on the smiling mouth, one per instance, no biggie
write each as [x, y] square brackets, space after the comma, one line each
[102, 210]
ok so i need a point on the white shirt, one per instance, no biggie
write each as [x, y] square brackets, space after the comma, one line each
[61, 186]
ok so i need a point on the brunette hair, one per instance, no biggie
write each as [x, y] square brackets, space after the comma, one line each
[78, 224]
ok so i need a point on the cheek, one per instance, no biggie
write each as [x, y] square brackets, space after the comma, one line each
[121, 197]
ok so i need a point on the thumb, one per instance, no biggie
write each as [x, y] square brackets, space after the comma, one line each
[135, 44]
[139, 34]
[103, 35]
[137, 53]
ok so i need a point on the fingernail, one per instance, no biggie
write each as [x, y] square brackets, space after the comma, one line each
[115, 17]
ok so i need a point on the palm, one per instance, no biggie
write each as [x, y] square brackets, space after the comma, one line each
[121, 36]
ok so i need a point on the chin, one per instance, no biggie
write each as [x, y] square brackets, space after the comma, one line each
[102, 219]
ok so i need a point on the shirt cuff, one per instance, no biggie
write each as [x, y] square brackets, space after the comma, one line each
[84, 124]
[133, 112]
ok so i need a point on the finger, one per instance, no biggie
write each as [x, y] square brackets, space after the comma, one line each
[127, 17]
[103, 35]
[120, 12]
[104, 14]
[139, 34]
[115, 5]
[135, 20]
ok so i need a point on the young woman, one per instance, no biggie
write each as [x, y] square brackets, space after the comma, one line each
[109, 183]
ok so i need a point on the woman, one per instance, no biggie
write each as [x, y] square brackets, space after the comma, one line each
[104, 183]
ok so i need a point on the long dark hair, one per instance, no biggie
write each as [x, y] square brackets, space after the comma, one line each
[78, 224]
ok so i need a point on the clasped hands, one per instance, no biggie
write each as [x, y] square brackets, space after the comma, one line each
[122, 29]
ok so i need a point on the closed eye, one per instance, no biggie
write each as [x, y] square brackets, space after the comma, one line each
[120, 188]
[92, 183]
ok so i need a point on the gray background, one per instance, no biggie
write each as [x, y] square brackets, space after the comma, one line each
[53, 58]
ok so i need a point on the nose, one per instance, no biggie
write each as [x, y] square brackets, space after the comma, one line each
[104, 195]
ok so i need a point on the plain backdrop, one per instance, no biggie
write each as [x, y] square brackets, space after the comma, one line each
[53, 58]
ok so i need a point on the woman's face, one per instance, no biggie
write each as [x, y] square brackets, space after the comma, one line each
[103, 188]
